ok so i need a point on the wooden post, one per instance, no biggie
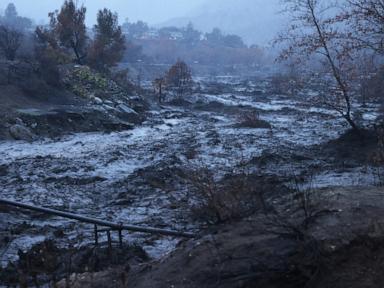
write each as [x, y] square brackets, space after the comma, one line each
[121, 238]
[96, 235]
[109, 240]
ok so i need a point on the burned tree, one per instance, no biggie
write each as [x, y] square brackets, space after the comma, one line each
[179, 78]
[49, 53]
[69, 27]
[108, 46]
[159, 86]
[10, 42]
[313, 34]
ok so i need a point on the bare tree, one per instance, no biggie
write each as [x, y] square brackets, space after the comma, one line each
[314, 33]
[10, 42]
[366, 18]
[159, 85]
[179, 78]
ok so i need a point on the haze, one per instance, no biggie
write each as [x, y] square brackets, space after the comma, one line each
[151, 11]
[254, 20]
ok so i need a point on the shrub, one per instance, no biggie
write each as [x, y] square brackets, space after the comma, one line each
[121, 78]
[251, 119]
[288, 84]
[294, 213]
[237, 195]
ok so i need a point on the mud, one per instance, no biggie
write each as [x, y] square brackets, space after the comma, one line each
[138, 176]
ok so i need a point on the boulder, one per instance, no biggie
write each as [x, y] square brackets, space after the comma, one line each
[124, 108]
[21, 132]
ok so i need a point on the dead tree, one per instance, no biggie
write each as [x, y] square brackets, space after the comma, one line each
[158, 85]
[10, 42]
[179, 78]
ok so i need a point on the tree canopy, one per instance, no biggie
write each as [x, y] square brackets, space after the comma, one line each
[108, 46]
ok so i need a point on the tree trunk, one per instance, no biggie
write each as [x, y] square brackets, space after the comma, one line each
[78, 58]
[335, 71]
[353, 125]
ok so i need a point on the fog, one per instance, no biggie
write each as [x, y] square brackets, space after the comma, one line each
[256, 21]
[259, 21]
[151, 11]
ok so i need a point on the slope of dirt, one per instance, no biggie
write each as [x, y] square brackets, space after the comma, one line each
[242, 255]
[345, 251]
[357, 265]
[41, 109]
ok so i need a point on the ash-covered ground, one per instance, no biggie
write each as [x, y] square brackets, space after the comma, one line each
[139, 176]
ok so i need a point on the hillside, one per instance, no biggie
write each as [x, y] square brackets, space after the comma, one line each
[259, 22]
[83, 101]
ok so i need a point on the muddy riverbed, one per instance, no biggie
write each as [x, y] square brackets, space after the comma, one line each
[138, 176]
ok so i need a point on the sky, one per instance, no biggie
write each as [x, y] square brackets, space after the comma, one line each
[151, 11]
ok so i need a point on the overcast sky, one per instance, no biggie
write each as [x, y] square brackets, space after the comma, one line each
[151, 11]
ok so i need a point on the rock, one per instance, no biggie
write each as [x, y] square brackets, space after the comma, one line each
[20, 132]
[97, 100]
[108, 107]
[137, 98]
[108, 102]
[124, 108]
[19, 121]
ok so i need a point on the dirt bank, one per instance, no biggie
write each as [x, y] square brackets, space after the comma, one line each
[83, 101]
[343, 248]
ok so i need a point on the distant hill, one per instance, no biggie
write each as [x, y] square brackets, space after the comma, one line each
[257, 21]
